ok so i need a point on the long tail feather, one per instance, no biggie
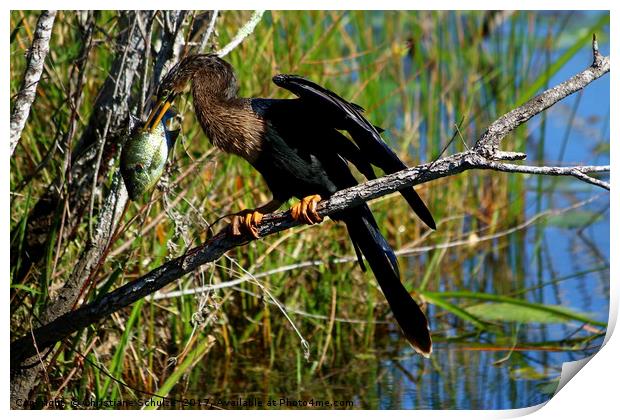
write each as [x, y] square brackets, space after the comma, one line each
[419, 207]
[367, 238]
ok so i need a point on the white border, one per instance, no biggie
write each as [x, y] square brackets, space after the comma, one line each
[593, 394]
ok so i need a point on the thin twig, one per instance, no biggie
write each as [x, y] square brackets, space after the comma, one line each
[304, 343]
[91, 256]
[330, 326]
[580, 175]
[210, 28]
[488, 144]
[316, 316]
[243, 33]
[170, 46]
[578, 172]
[147, 32]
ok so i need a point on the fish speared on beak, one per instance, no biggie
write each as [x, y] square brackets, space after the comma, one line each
[157, 113]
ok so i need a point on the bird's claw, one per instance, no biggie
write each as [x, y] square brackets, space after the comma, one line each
[305, 210]
[246, 223]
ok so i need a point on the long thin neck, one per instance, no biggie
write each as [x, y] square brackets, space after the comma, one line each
[227, 121]
[208, 106]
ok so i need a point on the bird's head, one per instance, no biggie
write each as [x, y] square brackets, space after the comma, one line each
[207, 71]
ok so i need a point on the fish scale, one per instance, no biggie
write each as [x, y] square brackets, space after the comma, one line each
[144, 158]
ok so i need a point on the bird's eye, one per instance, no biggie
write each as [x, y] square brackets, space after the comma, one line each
[139, 168]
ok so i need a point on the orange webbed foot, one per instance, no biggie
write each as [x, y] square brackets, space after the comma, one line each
[305, 210]
[246, 223]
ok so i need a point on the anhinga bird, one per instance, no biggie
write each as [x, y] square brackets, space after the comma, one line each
[297, 147]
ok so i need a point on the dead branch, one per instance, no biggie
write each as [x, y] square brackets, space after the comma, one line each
[34, 68]
[243, 33]
[222, 242]
[488, 143]
[208, 32]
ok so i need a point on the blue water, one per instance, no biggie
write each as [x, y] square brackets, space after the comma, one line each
[461, 378]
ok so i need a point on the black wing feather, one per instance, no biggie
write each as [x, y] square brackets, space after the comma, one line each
[347, 116]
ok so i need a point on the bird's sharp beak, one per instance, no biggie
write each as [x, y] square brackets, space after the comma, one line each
[157, 114]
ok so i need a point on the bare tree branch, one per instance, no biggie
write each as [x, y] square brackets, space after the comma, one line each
[578, 172]
[101, 137]
[488, 143]
[209, 31]
[170, 32]
[92, 255]
[34, 68]
[215, 247]
[243, 33]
